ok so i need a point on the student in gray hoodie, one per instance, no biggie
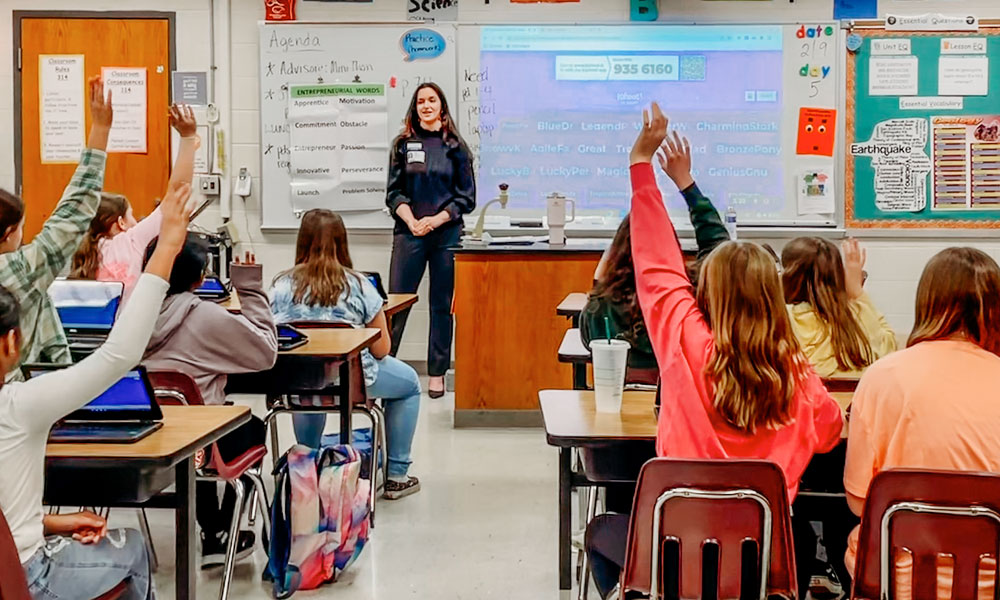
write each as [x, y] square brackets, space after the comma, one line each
[207, 342]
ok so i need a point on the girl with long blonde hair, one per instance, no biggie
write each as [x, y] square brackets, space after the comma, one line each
[840, 329]
[734, 382]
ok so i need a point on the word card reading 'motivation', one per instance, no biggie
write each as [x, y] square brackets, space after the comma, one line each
[338, 148]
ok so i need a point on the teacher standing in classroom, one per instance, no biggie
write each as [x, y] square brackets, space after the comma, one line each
[431, 186]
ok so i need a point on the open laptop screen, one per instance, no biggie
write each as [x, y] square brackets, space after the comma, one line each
[131, 398]
[212, 288]
[376, 280]
[89, 306]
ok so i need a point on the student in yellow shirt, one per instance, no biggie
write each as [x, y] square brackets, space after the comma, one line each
[840, 329]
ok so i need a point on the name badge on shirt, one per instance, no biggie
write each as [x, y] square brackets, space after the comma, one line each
[415, 157]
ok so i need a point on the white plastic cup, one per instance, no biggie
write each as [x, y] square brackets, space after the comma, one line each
[610, 360]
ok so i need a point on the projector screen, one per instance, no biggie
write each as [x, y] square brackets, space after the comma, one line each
[556, 109]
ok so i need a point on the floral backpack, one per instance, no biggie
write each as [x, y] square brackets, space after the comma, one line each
[319, 519]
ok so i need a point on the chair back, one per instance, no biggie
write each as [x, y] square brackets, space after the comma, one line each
[13, 583]
[175, 388]
[929, 514]
[650, 377]
[710, 529]
[841, 384]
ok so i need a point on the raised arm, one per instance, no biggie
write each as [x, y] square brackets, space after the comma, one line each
[182, 119]
[881, 336]
[251, 334]
[41, 261]
[46, 399]
[668, 304]
[675, 159]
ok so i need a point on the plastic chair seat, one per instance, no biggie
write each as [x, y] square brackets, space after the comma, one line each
[240, 465]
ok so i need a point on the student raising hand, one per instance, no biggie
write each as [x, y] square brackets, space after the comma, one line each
[182, 119]
[176, 213]
[100, 112]
[654, 129]
[675, 160]
[854, 265]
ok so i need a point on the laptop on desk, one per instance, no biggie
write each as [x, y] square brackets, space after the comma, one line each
[212, 289]
[87, 310]
[376, 280]
[125, 413]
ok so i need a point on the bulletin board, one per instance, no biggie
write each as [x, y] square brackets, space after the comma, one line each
[923, 130]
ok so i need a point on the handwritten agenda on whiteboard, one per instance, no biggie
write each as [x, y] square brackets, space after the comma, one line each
[309, 54]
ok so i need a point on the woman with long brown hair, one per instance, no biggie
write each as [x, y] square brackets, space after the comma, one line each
[935, 404]
[840, 329]
[431, 186]
[323, 286]
[734, 382]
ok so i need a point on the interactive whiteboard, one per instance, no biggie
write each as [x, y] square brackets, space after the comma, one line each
[555, 109]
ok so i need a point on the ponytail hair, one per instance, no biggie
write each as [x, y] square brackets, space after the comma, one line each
[813, 272]
[87, 259]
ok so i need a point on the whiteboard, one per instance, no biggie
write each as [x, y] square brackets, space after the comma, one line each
[497, 89]
[294, 53]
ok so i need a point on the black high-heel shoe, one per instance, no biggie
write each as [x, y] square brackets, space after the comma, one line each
[435, 393]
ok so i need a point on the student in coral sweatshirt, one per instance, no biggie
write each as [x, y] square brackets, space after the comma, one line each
[735, 383]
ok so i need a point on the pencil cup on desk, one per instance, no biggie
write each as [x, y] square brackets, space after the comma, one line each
[610, 358]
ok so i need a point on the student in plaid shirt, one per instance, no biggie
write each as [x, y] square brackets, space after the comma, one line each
[27, 271]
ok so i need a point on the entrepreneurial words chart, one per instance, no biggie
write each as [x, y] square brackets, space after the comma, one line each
[923, 130]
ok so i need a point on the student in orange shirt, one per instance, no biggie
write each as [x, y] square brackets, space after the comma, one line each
[935, 404]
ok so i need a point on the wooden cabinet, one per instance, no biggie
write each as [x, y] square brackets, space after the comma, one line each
[507, 329]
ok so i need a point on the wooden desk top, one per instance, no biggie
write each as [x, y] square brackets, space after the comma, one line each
[185, 430]
[572, 420]
[398, 303]
[572, 305]
[334, 342]
[572, 350]
[232, 304]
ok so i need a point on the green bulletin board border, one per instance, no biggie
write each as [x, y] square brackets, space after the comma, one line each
[850, 220]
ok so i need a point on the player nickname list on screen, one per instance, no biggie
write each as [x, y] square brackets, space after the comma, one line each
[560, 107]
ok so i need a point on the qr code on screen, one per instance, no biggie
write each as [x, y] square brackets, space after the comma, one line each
[692, 68]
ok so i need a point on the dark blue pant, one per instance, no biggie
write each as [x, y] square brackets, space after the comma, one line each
[410, 256]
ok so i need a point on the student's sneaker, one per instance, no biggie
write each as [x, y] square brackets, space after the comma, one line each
[213, 548]
[394, 490]
[826, 586]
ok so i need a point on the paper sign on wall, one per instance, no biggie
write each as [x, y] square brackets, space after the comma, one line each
[964, 76]
[966, 162]
[898, 149]
[128, 99]
[61, 114]
[338, 145]
[893, 76]
[931, 22]
[815, 192]
[817, 131]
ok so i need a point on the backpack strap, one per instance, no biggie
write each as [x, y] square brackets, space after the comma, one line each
[284, 576]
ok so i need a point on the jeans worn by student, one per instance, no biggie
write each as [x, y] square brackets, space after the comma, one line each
[410, 255]
[398, 385]
[66, 569]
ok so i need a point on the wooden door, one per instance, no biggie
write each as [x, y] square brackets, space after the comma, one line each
[104, 40]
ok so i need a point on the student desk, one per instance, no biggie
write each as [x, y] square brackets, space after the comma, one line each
[395, 304]
[136, 474]
[327, 347]
[572, 351]
[571, 421]
[571, 307]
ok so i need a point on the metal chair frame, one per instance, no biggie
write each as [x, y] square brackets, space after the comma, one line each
[740, 494]
[885, 566]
